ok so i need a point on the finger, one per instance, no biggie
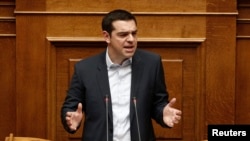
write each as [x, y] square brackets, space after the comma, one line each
[79, 108]
[176, 121]
[72, 128]
[171, 124]
[69, 114]
[172, 102]
[178, 112]
[178, 117]
[69, 123]
[68, 118]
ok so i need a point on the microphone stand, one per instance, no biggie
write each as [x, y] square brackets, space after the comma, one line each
[137, 121]
[107, 122]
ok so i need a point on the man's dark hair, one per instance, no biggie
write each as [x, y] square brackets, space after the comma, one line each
[115, 15]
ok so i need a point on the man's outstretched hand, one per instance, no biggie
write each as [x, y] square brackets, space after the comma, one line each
[171, 115]
[74, 118]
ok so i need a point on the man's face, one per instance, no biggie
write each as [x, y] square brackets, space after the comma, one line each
[122, 42]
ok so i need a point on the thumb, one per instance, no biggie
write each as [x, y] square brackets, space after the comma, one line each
[172, 102]
[79, 108]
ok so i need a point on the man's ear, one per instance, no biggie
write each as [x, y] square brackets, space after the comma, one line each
[106, 36]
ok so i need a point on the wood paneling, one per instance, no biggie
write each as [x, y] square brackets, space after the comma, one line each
[220, 70]
[242, 65]
[7, 26]
[243, 82]
[27, 5]
[135, 5]
[217, 68]
[7, 8]
[243, 28]
[167, 26]
[7, 83]
[174, 69]
[30, 77]
[180, 63]
[221, 6]
[7, 68]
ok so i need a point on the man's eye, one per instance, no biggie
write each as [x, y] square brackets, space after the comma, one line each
[123, 35]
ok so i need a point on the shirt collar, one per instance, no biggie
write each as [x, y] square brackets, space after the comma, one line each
[110, 64]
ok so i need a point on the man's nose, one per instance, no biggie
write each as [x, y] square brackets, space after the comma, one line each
[131, 37]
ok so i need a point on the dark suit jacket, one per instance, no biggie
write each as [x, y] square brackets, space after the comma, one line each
[90, 85]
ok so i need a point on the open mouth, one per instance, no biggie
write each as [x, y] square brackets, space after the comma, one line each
[129, 49]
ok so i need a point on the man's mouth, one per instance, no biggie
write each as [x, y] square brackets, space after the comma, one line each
[129, 48]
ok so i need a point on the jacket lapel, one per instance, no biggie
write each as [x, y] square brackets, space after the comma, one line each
[103, 81]
[137, 71]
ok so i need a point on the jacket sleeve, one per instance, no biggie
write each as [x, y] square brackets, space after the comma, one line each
[160, 94]
[74, 96]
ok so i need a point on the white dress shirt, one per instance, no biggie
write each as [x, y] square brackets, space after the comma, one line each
[120, 85]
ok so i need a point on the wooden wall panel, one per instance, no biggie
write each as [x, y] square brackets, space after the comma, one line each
[220, 63]
[7, 68]
[31, 91]
[220, 68]
[221, 6]
[138, 5]
[174, 77]
[8, 26]
[28, 5]
[171, 26]
[7, 8]
[243, 10]
[243, 28]
[64, 56]
[7, 83]
[75, 25]
[243, 82]
[242, 65]
[33, 72]
[89, 25]
[180, 64]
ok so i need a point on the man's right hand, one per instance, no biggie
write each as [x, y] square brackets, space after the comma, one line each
[73, 119]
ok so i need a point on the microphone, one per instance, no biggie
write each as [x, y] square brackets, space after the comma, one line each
[107, 122]
[136, 116]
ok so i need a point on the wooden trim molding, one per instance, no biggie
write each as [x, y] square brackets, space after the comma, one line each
[243, 20]
[243, 37]
[135, 13]
[7, 3]
[7, 19]
[244, 5]
[77, 41]
[53, 43]
[7, 35]
[92, 39]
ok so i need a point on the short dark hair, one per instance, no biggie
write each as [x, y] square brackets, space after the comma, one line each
[118, 14]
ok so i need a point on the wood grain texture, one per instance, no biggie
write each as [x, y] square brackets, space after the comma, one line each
[242, 65]
[179, 64]
[211, 38]
[7, 69]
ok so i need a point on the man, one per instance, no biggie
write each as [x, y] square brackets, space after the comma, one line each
[120, 90]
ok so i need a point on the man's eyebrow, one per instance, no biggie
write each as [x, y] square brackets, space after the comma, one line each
[125, 32]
